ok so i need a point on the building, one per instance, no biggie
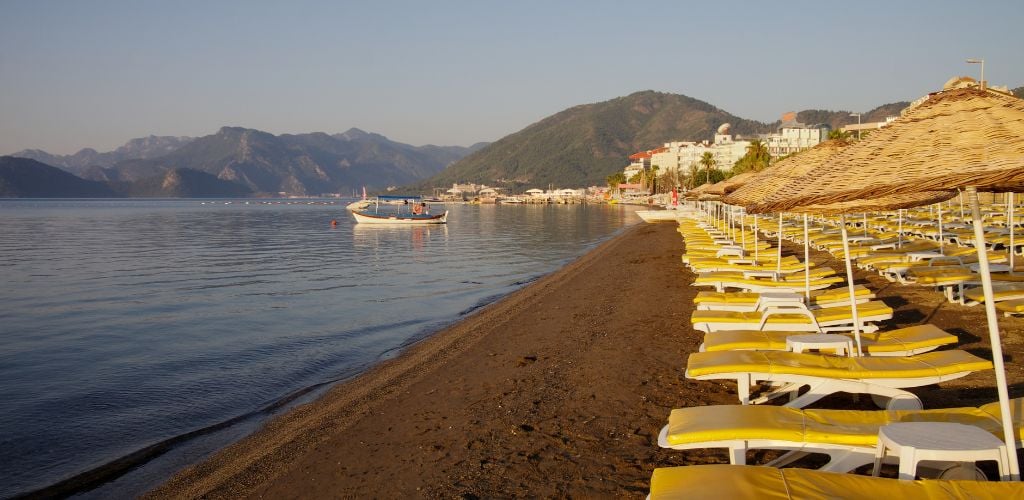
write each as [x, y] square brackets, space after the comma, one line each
[793, 136]
[679, 155]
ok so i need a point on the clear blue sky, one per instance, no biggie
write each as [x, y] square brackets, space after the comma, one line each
[79, 74]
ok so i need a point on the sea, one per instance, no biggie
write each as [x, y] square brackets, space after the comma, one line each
[139, 336]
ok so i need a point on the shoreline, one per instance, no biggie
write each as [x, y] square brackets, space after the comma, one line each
[244, 467]
[556, 389]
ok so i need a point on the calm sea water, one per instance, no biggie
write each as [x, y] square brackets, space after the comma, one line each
[127, 323]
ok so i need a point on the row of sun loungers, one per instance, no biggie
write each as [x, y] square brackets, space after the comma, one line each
[750, 321]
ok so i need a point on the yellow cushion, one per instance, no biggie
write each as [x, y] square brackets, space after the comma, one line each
[726, 298]
[707, 424]
[906, 339]
[837, 294]
[1011, 306]
[751, 482]
[978, 295]
[929, 364]
[868, 309]
[903, 339]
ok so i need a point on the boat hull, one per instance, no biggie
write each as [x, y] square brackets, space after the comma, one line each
[393, 219]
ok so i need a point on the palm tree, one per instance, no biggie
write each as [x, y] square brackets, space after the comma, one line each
[654, 179]
[691, 182]
[707, 160]
[758, 153]
[838, 134]
[615, 179]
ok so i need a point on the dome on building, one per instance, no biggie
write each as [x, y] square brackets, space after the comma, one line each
[724, 128]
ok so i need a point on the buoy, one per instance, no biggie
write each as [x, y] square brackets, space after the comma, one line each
[334, 223]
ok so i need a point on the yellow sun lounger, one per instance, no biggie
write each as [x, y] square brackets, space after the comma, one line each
[792, 283]
[975, 296]
[1011, 307]
[882, 377]
[848, 437]
[793, 319]
[749, 301]
[902, 342]
[743, 482]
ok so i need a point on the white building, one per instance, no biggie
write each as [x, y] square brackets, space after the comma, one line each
[679, 155]
[793, 136]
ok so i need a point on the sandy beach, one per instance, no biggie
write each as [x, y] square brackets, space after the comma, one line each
[557, 390]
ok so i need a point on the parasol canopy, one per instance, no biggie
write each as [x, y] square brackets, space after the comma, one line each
[952, 139]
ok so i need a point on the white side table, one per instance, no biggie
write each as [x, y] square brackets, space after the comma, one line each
[915, 442]
[800, 343]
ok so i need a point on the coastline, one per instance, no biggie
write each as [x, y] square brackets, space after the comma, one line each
[539, 378]
[558, 389]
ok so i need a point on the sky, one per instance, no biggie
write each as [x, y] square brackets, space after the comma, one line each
[97, 73]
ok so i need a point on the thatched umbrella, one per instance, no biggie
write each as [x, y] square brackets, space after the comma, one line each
[971, 138]
[955, 138]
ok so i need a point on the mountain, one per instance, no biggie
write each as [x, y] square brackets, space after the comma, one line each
[582, 145]
[838, 119]
[181, 183]
[141, 148]
[27, 178]
[298, 164]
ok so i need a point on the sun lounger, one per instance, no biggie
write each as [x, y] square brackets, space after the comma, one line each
[848, 437]
[1011, 307]
[793, 283]
[749, 301]
[793, 319]
[975, 296]
[882, 377]
[741, 482]
[902, 342]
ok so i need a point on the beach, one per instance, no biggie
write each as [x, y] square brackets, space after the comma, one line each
[557, 390]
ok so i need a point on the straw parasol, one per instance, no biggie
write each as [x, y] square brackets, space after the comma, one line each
[731, 184]
[779, 176]
[970, 138]
[954, 138]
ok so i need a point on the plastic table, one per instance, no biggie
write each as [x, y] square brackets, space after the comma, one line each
[914, 442]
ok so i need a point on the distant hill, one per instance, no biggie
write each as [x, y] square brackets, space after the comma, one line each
[299, 164]
[1019, 92]
[141, 148]
[27, 178]
[181, 183]
[839, 119]
[582, 145]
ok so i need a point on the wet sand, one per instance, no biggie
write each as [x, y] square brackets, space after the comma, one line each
[557, 390]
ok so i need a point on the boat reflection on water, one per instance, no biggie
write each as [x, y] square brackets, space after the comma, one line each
[381, 237]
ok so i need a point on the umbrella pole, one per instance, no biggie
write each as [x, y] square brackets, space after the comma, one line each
[865, 224]
[1009, 220]
[755, 240]
[743, 231]
[899, 232]
[941, 238]
[850, 285]
[778, 264]
[1009, 433]
[807, 262]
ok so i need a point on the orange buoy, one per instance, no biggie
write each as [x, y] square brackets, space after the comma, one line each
[334, 223]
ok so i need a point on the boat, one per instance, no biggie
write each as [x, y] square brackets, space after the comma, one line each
[410, 210]
[362, 204]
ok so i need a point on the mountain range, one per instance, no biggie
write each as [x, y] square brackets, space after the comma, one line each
[238, 161]
[579, 146]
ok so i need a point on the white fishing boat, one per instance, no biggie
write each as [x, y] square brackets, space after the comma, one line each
[407, 210]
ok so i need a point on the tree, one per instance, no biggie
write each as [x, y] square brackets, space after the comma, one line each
[615, 179]
[654, 179]
[691, 181]
[837, 134]
[707, 160]
[756, 158]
